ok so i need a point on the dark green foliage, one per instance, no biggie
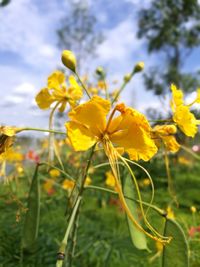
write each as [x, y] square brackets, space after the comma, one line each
[173, 28]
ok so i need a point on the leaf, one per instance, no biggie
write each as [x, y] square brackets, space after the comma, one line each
[31, 223]
[138, 238]
[176, 253]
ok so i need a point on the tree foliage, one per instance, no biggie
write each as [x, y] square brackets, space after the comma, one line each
[171, 27]
[78, 31]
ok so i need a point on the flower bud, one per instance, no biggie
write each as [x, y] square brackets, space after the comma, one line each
[69, 60]
[127, 77]
[139, 67]
[100, 72]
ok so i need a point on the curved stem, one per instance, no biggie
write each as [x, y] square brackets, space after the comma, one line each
[107, 190]
[51, 135]
[82, 84]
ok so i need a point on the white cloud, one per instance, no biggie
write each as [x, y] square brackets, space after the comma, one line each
[24, 89]
[12, 100]
[120, 43]
[24, 30]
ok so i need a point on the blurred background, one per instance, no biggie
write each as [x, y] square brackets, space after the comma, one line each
[165, 34]
[113, 34]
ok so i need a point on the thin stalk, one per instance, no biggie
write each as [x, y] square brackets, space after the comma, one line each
[75, 210]
[169, 178]
[82, 84]
[42, 130]
[83, 179]
[160, 211]
[60, 170]
[63, 246]
[190, 152]
[51, 135]
[119, 92]
[106, 89]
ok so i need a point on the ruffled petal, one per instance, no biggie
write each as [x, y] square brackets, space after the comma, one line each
[80, 137]
[177, 97]
[92, 115]
[55, 80]
[170, 143]
[133, 134]
[44, 99]
[186, 121]
[75, 91]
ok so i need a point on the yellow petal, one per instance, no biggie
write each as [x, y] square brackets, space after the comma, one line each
[186, 121]
[170, 143]
[68, 184]
[80, 137]
[92, 114]
[55, 80]
[133, 133]
[44, 99]
[198, 96]
[74, 91]
[177, 97]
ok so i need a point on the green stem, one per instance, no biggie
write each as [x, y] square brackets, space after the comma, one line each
[62, 171]
[82, 84]
[42, 130]
[190, 152]
[75, 208]
[59, 262]
[160, 211]
[51, 135]
[106, 89]
[119, 92]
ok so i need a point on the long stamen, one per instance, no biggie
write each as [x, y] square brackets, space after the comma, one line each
[113, 157]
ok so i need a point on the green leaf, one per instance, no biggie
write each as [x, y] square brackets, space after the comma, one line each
[176, 253]
[138, 238]
[31, 223]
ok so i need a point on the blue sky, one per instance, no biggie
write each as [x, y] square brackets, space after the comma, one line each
[29, 53]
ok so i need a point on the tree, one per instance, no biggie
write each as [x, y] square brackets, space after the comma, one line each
[78, 31]
[171, 27]
[4, 3]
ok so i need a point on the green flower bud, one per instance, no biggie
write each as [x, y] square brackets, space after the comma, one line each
[127, 77]
[139, 67]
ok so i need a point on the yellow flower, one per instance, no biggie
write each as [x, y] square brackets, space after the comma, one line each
[165, 133]
[12, 155]
[193, 209]
[185, 120]
[7, 134]
[110, 179]
[88, 180]
[54, 173]
[184, 161]
[68, 184]
[170, 213]
[129, 130]
[48, 186]
[101, 85]
[57, 92]
[145, 182]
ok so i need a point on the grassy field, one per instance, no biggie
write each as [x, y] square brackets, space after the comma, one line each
[102, 237]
